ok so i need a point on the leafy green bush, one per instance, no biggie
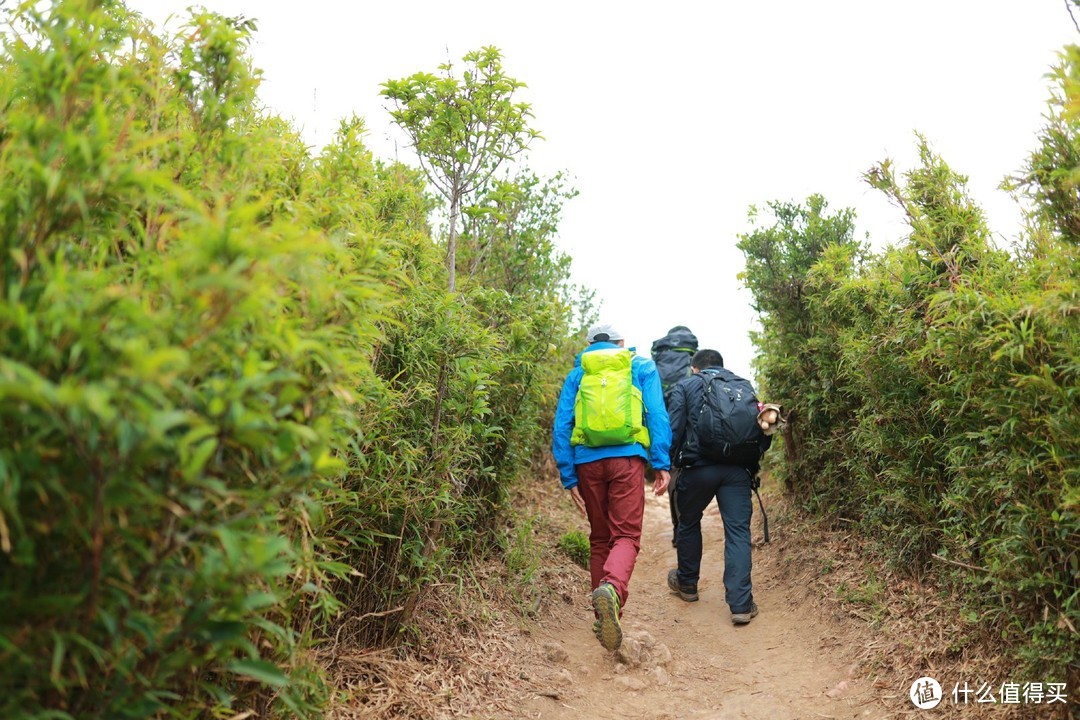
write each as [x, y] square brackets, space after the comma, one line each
[576, 546]
[934, 386]
[172, 350]
[220, 361]
[469, 370]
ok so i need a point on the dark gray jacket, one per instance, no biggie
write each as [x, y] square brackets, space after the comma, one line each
[672, 354]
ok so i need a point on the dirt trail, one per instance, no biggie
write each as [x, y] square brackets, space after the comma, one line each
[687, 660]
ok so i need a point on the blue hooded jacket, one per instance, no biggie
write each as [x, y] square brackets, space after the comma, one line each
[645, 377]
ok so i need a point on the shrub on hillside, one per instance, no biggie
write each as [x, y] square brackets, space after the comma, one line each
[180, 345]
[239, 410]
[934, 385]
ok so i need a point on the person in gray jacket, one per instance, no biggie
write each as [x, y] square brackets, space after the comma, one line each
[672, 354]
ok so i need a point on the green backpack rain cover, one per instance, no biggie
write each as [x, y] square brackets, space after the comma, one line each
[608, 409]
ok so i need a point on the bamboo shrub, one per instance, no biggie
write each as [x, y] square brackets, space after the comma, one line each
[219, 362]
[935, 383]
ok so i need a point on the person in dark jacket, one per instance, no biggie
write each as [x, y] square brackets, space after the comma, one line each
[699, 482]
[672, 354]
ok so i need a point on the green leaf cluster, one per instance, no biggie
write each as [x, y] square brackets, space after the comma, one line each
[934, 386]
[576, 546]
[462, 128]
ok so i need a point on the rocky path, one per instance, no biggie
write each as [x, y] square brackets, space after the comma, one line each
[686, 660]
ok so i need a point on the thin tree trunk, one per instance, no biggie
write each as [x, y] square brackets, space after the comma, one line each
[451, 244]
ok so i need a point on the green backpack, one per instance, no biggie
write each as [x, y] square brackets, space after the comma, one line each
[608, 409]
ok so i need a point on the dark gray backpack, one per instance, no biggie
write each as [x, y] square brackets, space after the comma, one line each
[726, 429]
[672, 354]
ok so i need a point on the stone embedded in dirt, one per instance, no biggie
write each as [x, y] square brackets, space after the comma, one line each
[555, 653]
[584, 671]
[660, 655]
[719, 663]
[629, 653]
[640, 649]
[565, 677]
[839, 691]
[660, 675]
[630, 682]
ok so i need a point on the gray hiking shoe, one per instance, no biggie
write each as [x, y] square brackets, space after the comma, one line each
[744, 618]
[605, 602]
[686, 592]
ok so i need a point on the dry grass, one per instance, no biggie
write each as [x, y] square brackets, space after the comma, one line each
[458, 667]
[468, 653]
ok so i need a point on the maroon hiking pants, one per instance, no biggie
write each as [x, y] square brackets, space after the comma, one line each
[614, 494]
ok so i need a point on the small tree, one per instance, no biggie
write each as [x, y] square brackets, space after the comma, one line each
[463, 129]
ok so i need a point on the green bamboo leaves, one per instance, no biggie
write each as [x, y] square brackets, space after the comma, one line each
[935, 387]
[220, 357]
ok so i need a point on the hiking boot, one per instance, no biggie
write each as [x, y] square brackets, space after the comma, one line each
[743, 618]
[605, 602]
[686, 592]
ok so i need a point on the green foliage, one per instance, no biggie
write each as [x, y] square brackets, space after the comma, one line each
[576, 546]
[522, 559]
[867, 594]
[517, 282]
[240, 411]
[462, 129]
[167, 380]
[935, 387]
[492, 369]
[468, 381]
[794, 362]
[1052, 176]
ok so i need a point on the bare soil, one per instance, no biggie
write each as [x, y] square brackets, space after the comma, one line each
[687, 660]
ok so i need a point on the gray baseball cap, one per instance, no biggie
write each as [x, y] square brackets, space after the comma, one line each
[602, 332]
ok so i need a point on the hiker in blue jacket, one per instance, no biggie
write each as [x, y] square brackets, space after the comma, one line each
[607, 481]
[701, 480]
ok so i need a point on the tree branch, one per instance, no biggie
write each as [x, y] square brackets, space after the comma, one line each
[959, 564]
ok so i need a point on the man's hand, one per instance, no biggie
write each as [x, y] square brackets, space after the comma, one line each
[771, 418]
[578, 500]
[663, 477]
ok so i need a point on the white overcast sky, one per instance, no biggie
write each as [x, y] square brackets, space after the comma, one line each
[673, 118]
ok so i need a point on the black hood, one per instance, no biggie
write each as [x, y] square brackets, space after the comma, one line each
[677, 337]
